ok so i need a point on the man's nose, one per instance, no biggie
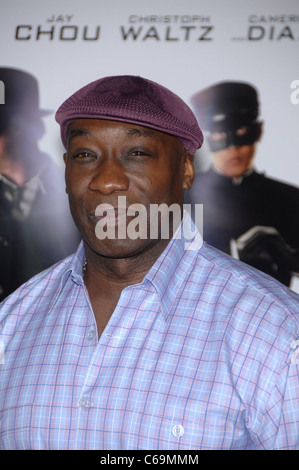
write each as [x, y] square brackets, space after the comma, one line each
[233, 150]
[109, 177]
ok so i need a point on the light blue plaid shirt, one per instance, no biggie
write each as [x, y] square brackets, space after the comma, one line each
[202, 354]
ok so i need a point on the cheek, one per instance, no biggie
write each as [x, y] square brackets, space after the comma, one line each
[219, 158]
[146, 185]
[75, 191]
[250, 154]
[74, 181]
[161, 187]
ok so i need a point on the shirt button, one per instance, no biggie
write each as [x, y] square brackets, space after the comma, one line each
[178, 430]
[84, 403]
[91, 335]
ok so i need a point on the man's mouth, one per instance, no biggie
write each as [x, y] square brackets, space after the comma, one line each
[113, 216]
[234, 161]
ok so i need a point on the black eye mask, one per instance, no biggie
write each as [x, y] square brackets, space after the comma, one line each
[231, 136]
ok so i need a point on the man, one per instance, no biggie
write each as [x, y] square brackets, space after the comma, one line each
[35, 227]
[144, 343]
[246, 214]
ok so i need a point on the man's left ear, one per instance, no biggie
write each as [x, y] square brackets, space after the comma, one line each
[261, 125]
[188, 172]
[64, 159]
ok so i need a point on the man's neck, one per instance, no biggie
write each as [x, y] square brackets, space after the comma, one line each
[235, 179]
[105, 278]
[121, 272]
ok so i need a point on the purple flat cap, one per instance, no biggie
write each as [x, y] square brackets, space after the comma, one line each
[133, 100]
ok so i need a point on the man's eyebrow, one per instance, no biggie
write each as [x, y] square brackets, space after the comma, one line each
[76, 132]
[140, 132]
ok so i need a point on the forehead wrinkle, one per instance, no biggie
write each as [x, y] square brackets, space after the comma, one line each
[140, 132]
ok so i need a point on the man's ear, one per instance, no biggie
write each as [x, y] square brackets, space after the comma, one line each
[261, 126]
[65, 159]
[188, 171]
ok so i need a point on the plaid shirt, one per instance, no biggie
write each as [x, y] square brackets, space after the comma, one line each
[202, 354]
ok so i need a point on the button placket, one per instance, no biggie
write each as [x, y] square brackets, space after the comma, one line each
[91, 334]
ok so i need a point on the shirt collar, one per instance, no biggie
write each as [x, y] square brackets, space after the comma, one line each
[20, 199]
[70, 267]
[75, 267]
[235, 180]
[171, 269]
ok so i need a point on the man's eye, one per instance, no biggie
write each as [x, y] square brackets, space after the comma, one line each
[83, 156]
[138, 153]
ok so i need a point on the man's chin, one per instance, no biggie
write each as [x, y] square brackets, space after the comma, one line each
[124, 248]
[234, 172]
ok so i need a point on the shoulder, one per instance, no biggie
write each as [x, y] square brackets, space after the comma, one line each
[274, 184]
[243, 297]
[244, 277]
[36, 295]
[252, 316]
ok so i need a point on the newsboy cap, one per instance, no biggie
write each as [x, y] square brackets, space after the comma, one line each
[136, 100]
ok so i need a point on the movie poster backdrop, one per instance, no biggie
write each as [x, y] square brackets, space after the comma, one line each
[186, 46]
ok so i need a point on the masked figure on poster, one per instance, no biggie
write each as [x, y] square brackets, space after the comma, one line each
[36, 229]
[246, 214]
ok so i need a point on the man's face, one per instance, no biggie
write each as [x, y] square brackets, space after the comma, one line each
[234, 161]
[234, 148]
[107, 159]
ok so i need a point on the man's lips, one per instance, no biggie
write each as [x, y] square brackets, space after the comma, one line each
[109, 216]
[234, 161]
